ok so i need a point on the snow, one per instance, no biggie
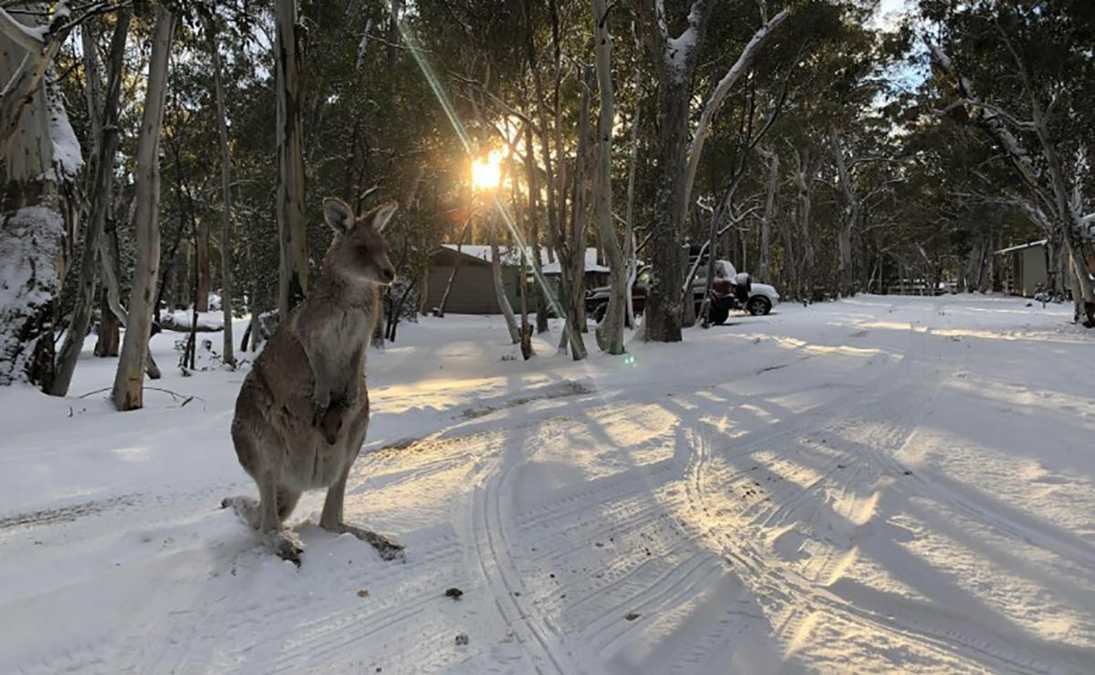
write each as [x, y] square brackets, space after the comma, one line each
[181, 319]
[678, 49]
[67, 158]
[878, 484]
[30, 241]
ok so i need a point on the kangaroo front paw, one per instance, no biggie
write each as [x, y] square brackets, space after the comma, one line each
[286, 547]
[318, 413]
[331, 423]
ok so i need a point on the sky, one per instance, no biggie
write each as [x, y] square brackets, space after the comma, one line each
[887, 10]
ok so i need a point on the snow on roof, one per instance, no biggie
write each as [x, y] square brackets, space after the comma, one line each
[556, 268]
[509, 256]
[1020, 247]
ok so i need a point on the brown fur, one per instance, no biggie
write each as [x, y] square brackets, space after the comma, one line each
[303, 410]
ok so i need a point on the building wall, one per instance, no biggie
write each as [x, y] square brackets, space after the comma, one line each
[473, 289]
[1034, 269]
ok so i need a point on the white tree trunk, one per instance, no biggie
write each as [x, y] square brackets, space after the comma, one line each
[105, 121]
[39, 159]
[610, 333]
[500, 288]
[772, 158]
[853, 209]
[128, 393]
[718, 97]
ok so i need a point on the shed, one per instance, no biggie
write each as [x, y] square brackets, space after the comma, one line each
[473, 288]
[1024, 268]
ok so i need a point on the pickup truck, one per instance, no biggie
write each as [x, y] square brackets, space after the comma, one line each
[730, 291]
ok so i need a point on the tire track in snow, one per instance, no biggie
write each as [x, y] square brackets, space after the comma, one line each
[797, 594]
[622, 581]
[503, 579]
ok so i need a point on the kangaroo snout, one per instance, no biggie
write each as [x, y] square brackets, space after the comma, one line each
[387, 275]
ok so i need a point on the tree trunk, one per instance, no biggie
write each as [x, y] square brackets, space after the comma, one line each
[765, 261]
[610, 334]
[804, 207]
[852, 212]
[39, 159]
[500, 288]
[718, 97]
[292, 229]
[455, 269]
[677, 58]
[108, 341]
[532, 180]
[662, 322]
[630, 251]
[201, 265]
[227, 289]
[128, 393]
[101, 194]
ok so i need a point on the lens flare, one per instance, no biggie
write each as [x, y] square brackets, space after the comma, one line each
[486, 174]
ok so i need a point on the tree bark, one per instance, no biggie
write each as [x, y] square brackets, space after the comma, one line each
[853, 209]
[803, 209]
[201, 265]
[108, 341]
[714, 104]
[769, 216]
[455, 268]
[610, 333]
[39, 160]
[128, 392]
[101, 195]
[292, 229]
[500, 288]
[227, 286]
[28, 57]
[676, 59]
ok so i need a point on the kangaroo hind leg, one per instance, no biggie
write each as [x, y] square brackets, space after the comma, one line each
[332, 521]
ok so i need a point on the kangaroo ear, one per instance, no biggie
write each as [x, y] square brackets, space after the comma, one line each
[338, 215]
[383, 215]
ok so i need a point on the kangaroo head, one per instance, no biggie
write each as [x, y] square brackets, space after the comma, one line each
[359, 251]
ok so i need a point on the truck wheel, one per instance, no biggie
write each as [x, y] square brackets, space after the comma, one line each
[758, 305]
[719, 314]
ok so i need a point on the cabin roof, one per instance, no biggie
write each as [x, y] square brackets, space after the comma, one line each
[1020, 247]
[510, 256]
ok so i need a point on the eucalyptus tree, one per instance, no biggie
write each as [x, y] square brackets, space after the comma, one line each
[128, 390]
[1023, 73]
[676, 41]
[39, 161]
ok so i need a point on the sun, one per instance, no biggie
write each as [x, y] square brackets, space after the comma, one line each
[486, 173]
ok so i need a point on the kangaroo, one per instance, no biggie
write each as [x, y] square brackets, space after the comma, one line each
[303, 410]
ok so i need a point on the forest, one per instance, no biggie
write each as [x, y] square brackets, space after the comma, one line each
[158, 152]
[702, 336]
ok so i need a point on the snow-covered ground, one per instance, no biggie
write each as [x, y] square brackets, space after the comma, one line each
[872, 485]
